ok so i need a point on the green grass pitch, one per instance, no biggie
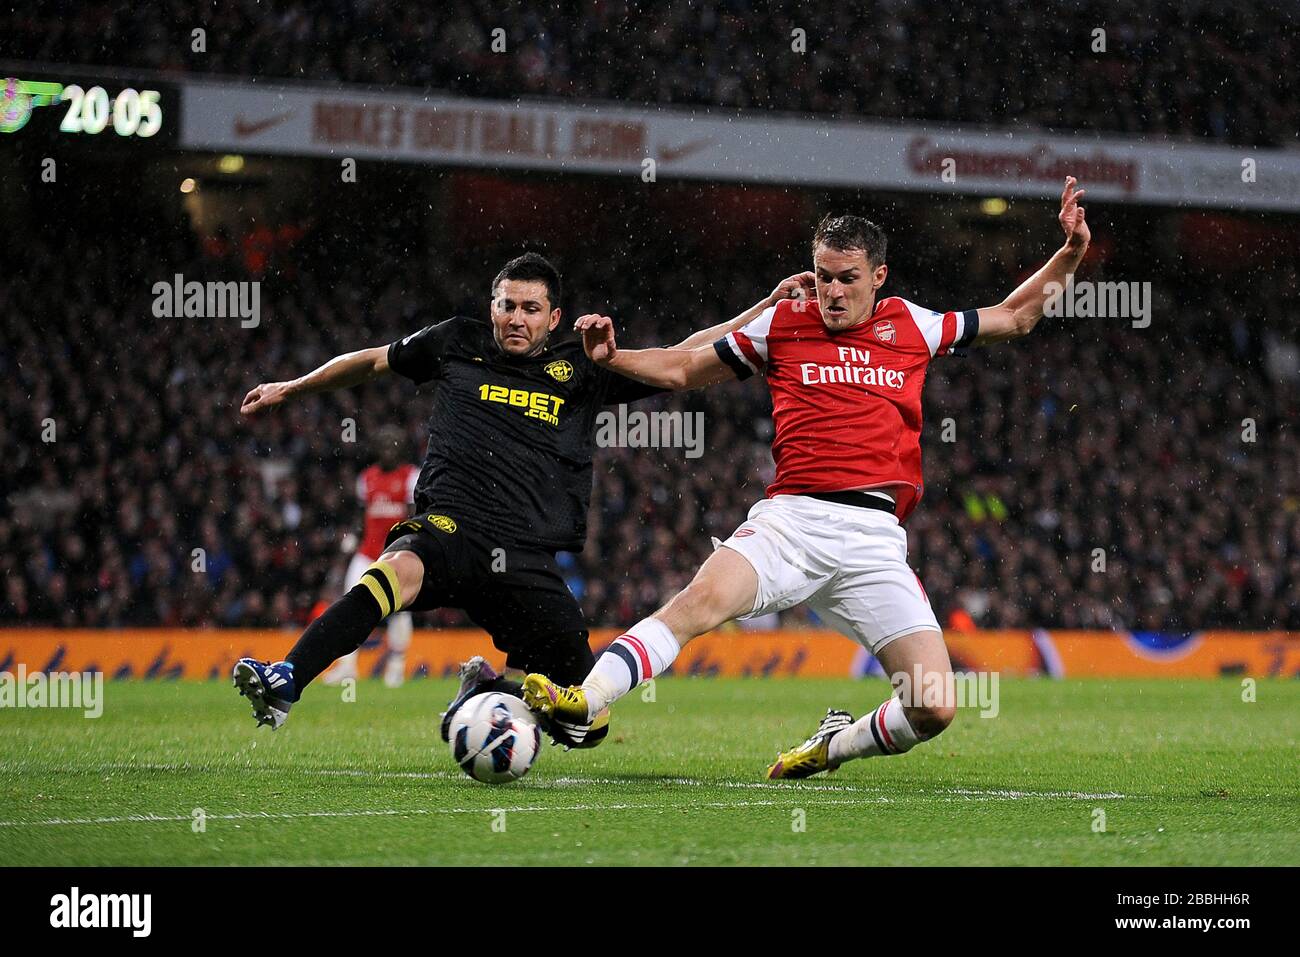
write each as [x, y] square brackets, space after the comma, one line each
[1184, 771]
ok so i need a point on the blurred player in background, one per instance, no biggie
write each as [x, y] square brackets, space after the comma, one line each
[845, 373]
[387, 491]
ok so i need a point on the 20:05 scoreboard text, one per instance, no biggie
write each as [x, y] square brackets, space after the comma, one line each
[93, 110]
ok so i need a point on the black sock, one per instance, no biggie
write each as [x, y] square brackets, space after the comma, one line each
[338, 632]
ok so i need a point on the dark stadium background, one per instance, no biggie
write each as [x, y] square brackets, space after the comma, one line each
[1088, 434]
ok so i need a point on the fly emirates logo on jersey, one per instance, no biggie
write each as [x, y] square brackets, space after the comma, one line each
[385, 508]
[854, 368]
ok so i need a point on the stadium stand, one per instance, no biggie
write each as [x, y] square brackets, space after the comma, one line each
[1087, 435]
[1183, 69]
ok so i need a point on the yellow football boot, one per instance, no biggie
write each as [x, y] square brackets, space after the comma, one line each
[813, 756]
[560, 704]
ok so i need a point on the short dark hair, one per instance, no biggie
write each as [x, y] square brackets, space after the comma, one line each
[532, 267]
[846, 233]
[390, 435]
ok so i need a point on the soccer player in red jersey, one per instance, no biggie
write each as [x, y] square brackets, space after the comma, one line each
[845, 372]
[387, 490]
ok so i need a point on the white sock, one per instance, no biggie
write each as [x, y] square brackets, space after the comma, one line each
[637, 655]
[399, 629]
[884, 731]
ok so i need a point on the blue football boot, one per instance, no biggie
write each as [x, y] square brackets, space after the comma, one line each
[269, 688]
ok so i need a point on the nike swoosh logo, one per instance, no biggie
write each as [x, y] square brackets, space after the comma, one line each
[669, 153]
[243, 128]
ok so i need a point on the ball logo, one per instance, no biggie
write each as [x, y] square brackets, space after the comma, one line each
[885, 331]
[559, 370]
[442, 523]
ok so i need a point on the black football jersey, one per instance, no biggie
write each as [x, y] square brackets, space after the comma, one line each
[510, 438]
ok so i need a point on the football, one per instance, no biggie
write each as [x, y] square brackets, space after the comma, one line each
[495, 738]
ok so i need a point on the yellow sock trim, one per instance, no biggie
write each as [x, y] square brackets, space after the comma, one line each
[391, 575]
[380, 598]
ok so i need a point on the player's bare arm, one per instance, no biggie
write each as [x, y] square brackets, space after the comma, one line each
[799, 286]
[692, 363]
[674, 369]
[341, 372]
[1018, 314]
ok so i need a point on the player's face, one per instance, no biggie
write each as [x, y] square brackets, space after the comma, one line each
[522, 316]
[846, 285]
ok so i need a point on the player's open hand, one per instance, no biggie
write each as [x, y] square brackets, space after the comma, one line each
[264, 396]
[1071, 217]
[799, 286]
[597, 337]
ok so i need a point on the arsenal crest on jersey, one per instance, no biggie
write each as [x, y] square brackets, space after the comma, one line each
[885, 331]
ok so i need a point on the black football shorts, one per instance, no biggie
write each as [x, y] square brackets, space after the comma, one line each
[517, 595]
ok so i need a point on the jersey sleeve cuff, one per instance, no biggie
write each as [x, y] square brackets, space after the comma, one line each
[393, 357]
[970, 328]
[732, 361]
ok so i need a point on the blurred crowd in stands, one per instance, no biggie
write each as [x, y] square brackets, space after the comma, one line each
[1092, 475]
[1217, 71]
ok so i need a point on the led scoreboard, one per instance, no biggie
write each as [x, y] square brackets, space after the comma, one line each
[95, 111]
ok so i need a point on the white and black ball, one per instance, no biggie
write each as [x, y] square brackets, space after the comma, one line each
[495, 738]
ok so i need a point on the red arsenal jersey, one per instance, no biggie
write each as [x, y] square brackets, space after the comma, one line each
[846, 405]
[387, 496]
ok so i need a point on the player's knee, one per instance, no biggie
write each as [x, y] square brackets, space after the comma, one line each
[930, 720]
[409, 570]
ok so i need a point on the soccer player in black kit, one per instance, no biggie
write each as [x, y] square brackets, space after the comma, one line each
[505, 484]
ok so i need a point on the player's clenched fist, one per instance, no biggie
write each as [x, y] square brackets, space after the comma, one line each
[597, 337]
[799, 286]
[264, 396]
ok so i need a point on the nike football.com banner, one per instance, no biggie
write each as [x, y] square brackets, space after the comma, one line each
[711, 145]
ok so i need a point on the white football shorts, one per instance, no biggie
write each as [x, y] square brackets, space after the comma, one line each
[848, 563]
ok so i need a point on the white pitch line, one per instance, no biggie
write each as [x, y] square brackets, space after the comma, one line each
[852, 789]
[408, 812]
[1017, 795]
[570, 781]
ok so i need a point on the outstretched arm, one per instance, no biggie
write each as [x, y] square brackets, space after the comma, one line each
[799, 286]
[662, 368]
[1017, 315]
[340, 372]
